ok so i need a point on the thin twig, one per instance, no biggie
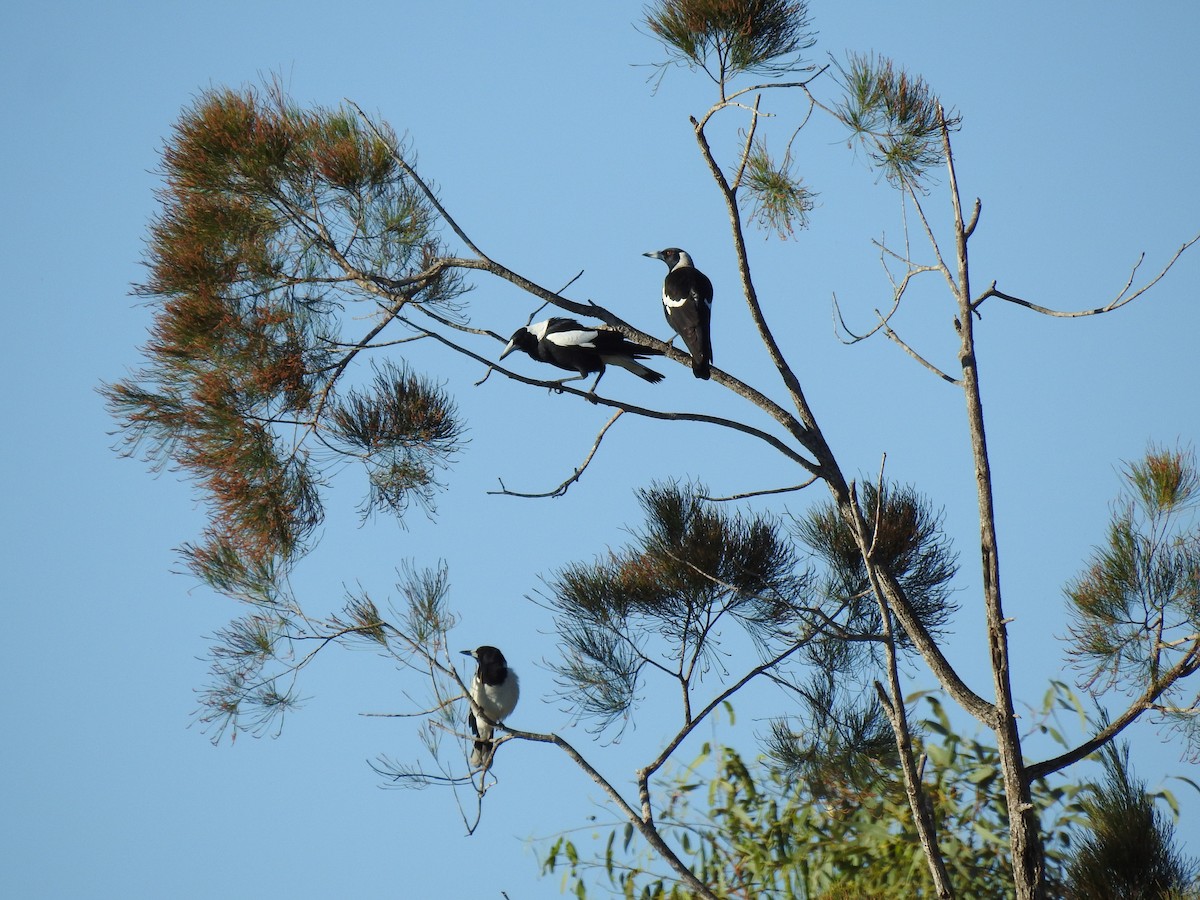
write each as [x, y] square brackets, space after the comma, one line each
[745, 159]
[579, 470]
[428, 191]
[887, 329]
[762, 493]
[640, 821]
[1116, 303]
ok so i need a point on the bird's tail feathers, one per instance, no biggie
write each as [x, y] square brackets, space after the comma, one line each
[481, 753]
[632, 365]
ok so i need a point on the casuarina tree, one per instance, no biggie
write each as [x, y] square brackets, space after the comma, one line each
[298, 251]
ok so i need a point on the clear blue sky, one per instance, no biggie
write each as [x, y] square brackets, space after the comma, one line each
[1079, 135]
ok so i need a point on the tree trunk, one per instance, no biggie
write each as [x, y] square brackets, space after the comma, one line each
[1025, 838]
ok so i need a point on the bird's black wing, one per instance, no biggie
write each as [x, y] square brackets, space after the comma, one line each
[687, 302]
[569, 345]
[612, 343]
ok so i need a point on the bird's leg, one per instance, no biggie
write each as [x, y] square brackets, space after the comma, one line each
[592, 389]
[561, 381]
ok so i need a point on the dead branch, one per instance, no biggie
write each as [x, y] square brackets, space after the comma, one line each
[899, 288]
[887, 329]
[762, 493]
[1122, 298]
[579, 470]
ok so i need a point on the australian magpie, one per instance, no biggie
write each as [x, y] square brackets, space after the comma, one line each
[495, 691]
[687, 301]
[567, 344]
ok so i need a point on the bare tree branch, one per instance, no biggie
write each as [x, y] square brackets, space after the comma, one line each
[1122, 298]
[749, 145]
[887, 329]
[762, 493]
[791, 382]
[425, 188]
[579, 470]
[899, 288]
[643, 821]
[1186, 666]
[1024, 835]
[557, 387]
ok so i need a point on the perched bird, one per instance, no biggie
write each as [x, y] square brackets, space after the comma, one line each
[495, 691]
[567, 344]
[687, 301]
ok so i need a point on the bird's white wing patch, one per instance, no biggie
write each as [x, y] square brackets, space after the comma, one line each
[573, 338]
[672, 303]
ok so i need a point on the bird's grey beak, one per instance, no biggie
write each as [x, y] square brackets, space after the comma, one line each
[508, 348]
[467, 652]
[657, 254]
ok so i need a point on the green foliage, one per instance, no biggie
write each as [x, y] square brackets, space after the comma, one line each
[273, 218]
[906, 538]
[241, 695]
[761, 834]
[427, 616]
[894, 116]
[404, 427]
[1136, 608]
[837, 743]
[691, 566]
[256, 659]
[225, 570]
[657, 603]
[779, 200]
[1165, 480]
[728, 37]
[1127, 850]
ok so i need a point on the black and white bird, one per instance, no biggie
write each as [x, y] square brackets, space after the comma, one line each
[687, 302]
[567, 344]
[495, 690]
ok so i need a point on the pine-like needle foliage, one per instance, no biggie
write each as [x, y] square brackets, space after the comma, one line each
[840, 746]
[1136, 608]
[690, 567]
[405, 428]
[728, 37]
[779, 200]
[895, 116]
[1128, 850]
[272, 220]
[256, 660]
[908, 541]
